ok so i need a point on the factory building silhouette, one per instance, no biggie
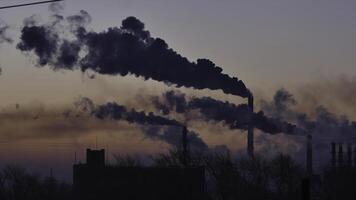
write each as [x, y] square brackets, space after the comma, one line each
[97, 180]
[339, 179]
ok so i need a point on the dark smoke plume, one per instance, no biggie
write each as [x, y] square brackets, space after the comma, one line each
[124, 50]
[324, 124]
[3, 35]
[236, 116]
[42, 40]
[119, 112]
[173, 136]
[151, 124]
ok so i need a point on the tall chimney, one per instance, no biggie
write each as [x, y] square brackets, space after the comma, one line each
[333, 154]
[340, 156]
[349, 155]
[250, 129]
[309, 160]
[185, 146]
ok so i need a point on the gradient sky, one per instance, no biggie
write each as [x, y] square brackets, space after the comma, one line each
[267, 43]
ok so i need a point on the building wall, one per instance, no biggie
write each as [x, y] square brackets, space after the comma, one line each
[105, 182]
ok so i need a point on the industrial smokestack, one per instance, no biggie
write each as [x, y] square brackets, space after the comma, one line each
[185, 146]
[250, 149]
[333, 154]
[309, 161]
[349, 155]
[340, 156]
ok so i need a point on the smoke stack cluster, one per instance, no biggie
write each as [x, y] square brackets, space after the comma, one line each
[343, 158]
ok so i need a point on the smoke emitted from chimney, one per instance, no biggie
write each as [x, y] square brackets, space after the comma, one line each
[324, 126]
[3, 36]
[43, 41]
[338, 94]
[235, 116]
[114, 111]
[153, 126]
[119, 112]
[124, 50]
[80, 20]
[173, 136]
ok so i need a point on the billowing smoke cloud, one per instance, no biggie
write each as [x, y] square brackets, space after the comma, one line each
[235, 116]
[325, 123]
[119, 112]
[79, 21]
[171, 133]
[41, 40]
[41, 123]
[3, 36]
[337, 94]
[173, 136]
[124, 50]
[46, 40]
[324, 126]
[85, 119]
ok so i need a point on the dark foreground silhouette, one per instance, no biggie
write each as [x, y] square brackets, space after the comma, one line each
[168, 177]
[95, 180]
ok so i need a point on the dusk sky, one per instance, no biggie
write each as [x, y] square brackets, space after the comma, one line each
[305, 46]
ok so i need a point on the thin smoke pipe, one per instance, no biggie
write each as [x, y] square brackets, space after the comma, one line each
[340, 156]
[333, 154]
[250, 134]
[349, 155]
[185, 146]
[309, 161]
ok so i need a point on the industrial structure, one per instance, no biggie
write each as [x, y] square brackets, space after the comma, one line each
[339, 158]
[250, 141]
[339, 179]
[309, 156]
[96, 180]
